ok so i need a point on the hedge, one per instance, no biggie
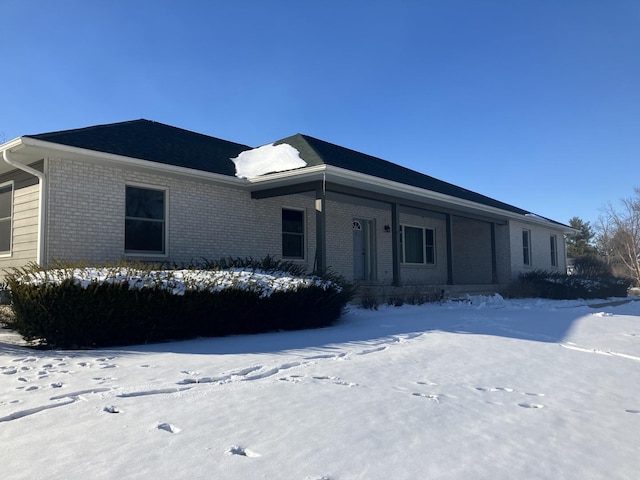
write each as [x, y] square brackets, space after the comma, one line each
[542, 284]
[73, 307]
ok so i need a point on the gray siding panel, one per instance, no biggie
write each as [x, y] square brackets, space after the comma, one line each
[26, 203]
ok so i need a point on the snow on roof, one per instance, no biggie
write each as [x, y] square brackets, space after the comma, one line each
[267, 159]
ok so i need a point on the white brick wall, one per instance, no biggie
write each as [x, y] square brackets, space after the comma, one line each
[85, 221]
[540, 248]
[87, 205]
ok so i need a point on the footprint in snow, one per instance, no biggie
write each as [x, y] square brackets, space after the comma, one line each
[487, 389]
[292, 379]
[24, 359]
[243, 452]
[530, 405]
[495, 389]
[167, 427]
[113, 409]
[433, 398]
[373, 350]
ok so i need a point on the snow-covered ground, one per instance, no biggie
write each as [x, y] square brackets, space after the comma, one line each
[490, 389]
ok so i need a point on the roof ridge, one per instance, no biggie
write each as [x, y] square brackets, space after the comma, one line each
[91, 127]
[47, 135]
[304, 137]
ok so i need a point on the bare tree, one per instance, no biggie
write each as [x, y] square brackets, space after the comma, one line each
[619, 236]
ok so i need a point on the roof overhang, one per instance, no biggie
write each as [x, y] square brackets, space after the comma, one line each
[28, 150]
[359, 184]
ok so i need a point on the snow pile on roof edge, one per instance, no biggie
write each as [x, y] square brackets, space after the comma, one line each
[267, 159]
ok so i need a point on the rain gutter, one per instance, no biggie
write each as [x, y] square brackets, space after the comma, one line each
[42, 187]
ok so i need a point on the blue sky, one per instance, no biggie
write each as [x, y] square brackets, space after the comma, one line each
[534, 103]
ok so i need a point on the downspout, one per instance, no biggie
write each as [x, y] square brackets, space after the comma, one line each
[42, 187]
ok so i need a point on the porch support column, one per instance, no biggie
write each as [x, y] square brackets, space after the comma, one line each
[447, 217]
[321, 229]
[395, 245]
[494, 256]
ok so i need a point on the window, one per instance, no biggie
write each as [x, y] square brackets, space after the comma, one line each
[292, 233]
[145, 222]
[553, 243]
[526, 247]
[6, 213]
[418, 245]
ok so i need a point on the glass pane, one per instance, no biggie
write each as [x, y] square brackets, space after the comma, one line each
[6, 196]
[431, 247]
[144, 236]
[292, 245]
[292, 221]
[145, 203]
[5, 235]
[525, 247]
[413, 245]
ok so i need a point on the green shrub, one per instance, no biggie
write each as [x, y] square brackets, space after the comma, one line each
[541, 284]
[70, 307]
[590, 266]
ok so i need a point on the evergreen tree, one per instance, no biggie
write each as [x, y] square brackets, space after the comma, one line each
[580, 244]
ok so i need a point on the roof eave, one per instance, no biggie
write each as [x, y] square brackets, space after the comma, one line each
[372, 183]
[35, 149]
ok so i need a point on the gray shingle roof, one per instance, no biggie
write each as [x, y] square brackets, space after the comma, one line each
[157, 142]
[318, 152]
[153, 141]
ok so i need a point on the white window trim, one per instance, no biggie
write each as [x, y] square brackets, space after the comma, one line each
[304, 233]
[9, 253]
[164, 189]
[424, 246]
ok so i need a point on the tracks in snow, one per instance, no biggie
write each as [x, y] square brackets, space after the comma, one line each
[34, 373]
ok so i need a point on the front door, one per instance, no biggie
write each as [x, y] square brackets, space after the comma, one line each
[363, 248]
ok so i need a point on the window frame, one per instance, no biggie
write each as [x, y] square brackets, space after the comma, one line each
[302, 235]
[11, 185]
[428, 249]
[165, 221]
[553, 246]
[527, 257]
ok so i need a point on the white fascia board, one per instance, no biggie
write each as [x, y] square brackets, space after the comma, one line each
[11, 144]
[288, 177]
[380, 185]
[43, 149]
